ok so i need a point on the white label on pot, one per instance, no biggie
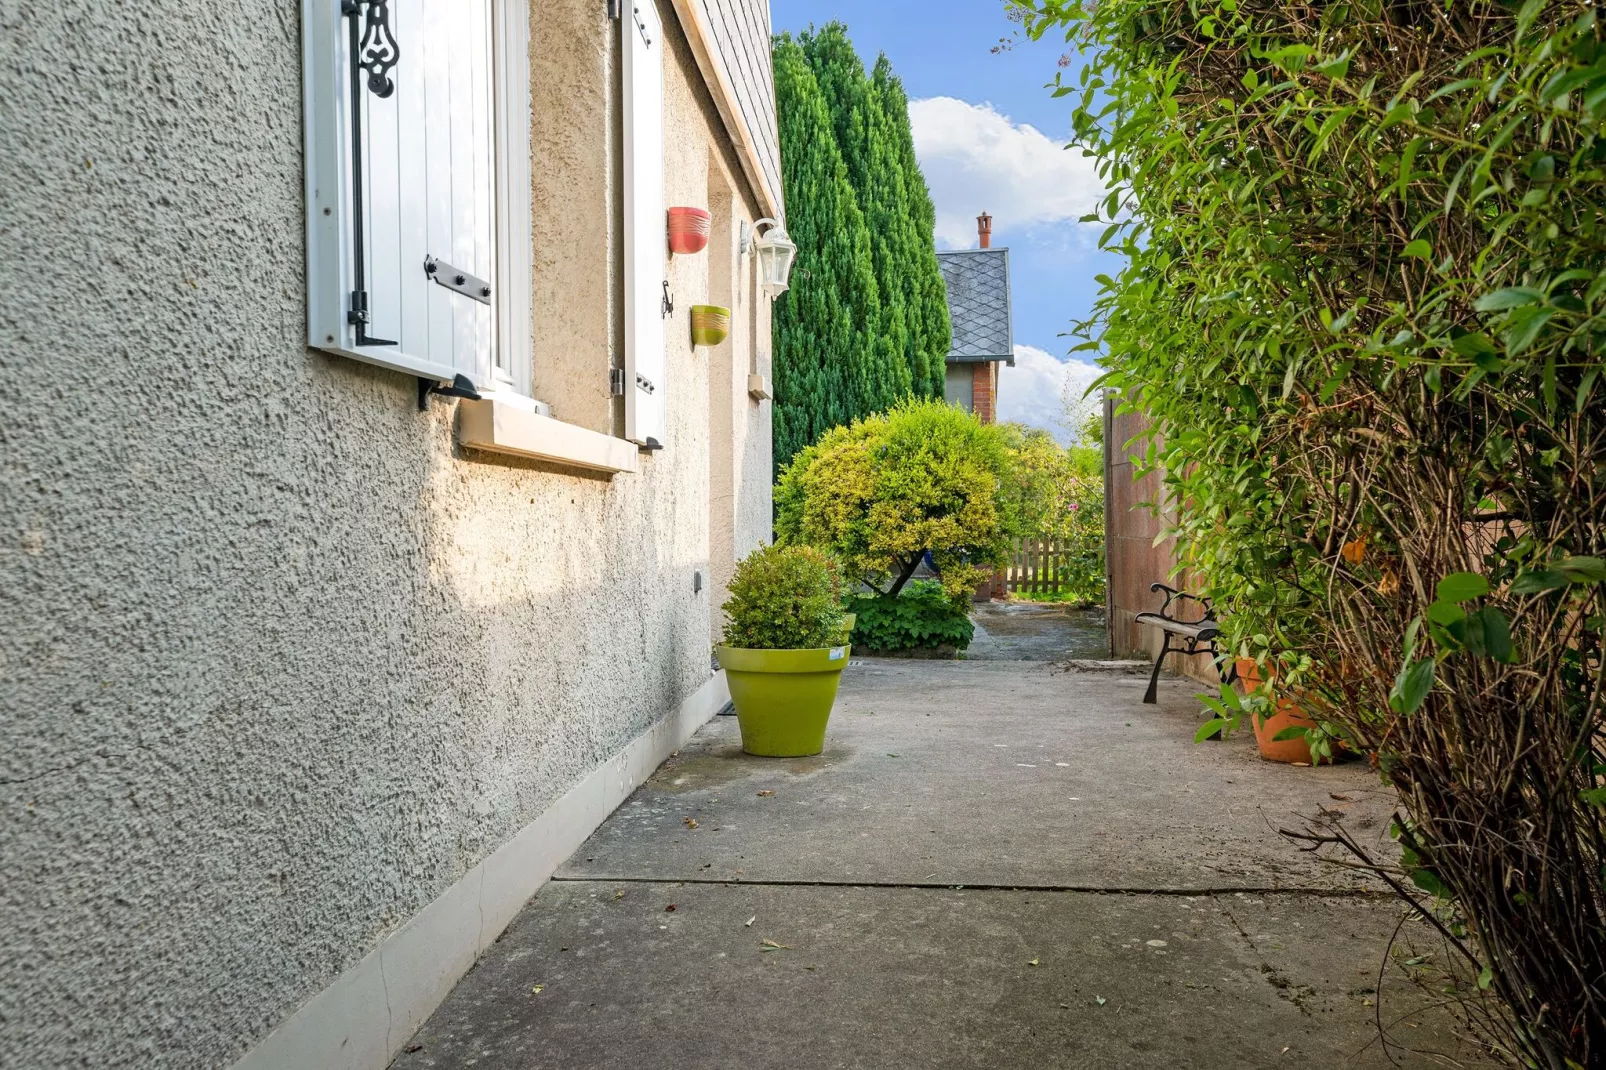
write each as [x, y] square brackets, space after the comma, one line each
[838, 653]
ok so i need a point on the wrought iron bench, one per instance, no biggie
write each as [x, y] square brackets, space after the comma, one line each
[1193, 636]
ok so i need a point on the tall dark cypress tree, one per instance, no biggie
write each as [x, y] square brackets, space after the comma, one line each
[866, 321]
[870, 115]
[876, 176]
[924, 295]
[825, 325]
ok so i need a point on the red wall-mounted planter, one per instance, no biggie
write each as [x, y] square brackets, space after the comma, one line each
[688, 229]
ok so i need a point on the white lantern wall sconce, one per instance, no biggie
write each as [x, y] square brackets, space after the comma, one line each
[775, 252]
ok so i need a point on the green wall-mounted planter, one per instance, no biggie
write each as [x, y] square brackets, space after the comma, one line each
[783, 698]
[710, 324]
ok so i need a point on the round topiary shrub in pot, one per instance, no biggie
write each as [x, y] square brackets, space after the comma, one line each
[785, 648]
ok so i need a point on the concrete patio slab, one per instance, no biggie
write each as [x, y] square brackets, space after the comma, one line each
[990, 773]
[994, 865]
[678, 977]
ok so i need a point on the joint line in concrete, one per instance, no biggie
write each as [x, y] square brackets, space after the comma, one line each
[1084, 889]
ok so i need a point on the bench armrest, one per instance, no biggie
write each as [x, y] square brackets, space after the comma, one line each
[1174, 595]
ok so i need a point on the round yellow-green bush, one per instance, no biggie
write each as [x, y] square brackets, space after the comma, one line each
[881, 492]
[785, 598]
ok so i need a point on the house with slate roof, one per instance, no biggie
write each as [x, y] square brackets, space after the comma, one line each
[983, 329]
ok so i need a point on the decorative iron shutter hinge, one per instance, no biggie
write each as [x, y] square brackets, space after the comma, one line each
[373, 49]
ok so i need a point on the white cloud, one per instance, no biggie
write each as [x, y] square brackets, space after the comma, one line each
[1043, 391]
[976, 160]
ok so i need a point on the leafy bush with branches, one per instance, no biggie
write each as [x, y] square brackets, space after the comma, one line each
[921, 616]
[1363, 307]
[1060, 495]
[883, 491]
[785, 598]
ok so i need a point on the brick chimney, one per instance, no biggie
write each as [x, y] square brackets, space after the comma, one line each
[984, 230]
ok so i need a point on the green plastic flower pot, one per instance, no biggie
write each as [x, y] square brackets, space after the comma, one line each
[783, 698]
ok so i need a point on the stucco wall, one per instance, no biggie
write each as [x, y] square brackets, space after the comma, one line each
[280, 662]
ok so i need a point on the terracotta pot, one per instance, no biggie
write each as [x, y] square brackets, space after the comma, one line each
[1289, 714]
[710, 324]
[688, 229]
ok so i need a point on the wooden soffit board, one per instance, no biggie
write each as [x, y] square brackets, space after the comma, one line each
[731, 41]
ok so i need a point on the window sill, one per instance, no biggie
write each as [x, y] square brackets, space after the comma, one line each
[500, 427]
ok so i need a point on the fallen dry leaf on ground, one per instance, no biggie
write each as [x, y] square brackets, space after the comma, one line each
[670, 909]
[1034, 962]
[691, 822]
[765, 794]
[770, 945]
[749, 922]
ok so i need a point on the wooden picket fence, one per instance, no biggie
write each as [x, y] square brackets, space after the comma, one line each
[1038, 566]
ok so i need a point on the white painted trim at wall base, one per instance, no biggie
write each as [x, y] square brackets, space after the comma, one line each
[361, 1020]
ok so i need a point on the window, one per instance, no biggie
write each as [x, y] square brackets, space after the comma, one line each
[418, 185]
[419, 190]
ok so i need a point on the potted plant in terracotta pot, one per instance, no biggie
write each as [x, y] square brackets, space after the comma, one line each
[1283, 727]
[1280, 725]
[785, 648]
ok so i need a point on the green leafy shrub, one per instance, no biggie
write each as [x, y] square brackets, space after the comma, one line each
[1364, 307]
[922, 615]
[882, 492]
[1059, 495]
[785, 598]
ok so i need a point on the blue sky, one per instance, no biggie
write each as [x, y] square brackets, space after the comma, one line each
[990, 136]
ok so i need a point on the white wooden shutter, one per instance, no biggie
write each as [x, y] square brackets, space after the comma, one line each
[426, 202]
[514, 236]
[645, 388]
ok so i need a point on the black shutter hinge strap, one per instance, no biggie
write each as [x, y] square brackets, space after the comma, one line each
[373, 49]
